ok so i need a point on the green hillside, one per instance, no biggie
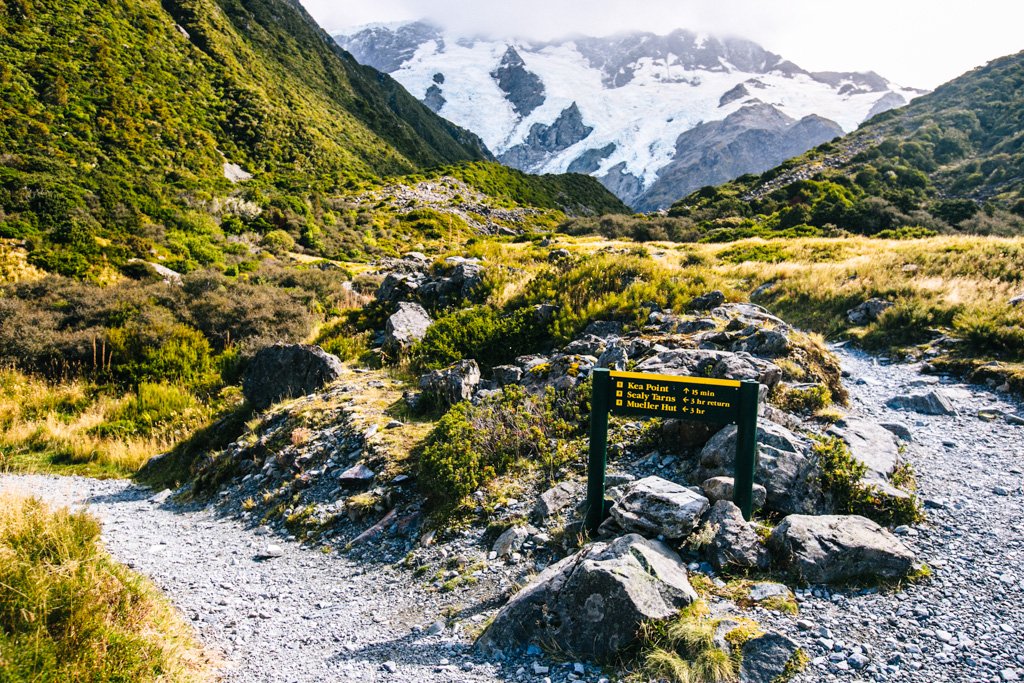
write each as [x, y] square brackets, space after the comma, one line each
[951, 161]
[117, 118]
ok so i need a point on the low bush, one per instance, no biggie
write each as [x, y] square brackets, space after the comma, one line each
[490, 336]
[841, 479]
[471, 446]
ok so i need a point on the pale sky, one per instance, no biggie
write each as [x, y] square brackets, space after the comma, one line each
[917, 43]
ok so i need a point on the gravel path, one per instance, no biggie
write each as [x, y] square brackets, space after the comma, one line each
[304, 616]
[307, 616]
[966, 623]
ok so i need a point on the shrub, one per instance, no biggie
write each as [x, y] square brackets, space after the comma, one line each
[278, 242]
[841, 478]
[488, 335]
[470, 446]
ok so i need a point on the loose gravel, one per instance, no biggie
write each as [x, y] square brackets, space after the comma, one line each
[307, 616]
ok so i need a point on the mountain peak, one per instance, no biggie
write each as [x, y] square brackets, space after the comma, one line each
[615, 105]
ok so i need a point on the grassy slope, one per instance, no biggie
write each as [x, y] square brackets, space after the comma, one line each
[953, 159]
[68, 612]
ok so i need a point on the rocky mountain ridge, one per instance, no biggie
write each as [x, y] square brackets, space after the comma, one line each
[624, 108]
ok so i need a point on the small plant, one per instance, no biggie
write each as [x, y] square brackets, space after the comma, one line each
[249, 504]
[841, 477]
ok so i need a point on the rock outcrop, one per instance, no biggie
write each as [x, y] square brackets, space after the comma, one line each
[832, 548]
[286, 371]
[657, 507]
[406, 326]
[590, 605]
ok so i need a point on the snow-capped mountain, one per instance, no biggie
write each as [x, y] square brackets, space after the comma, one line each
[653, 117]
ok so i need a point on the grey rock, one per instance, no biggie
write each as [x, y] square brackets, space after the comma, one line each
[786, 467]
[287, 371]
[506, 374]
[870, 444]
[406, 326]
[735, 543]
[765, 658]
[543, 141]
[556, 499]
[868, 312]
[511, 540]
[901, 430]
[522, 88]
[357, 474]
[656, 506]
[931, 403]
[162, 497]
[614, 357]
[706, 302]
[767, 589]
[831, 548]
[1017, 300]
[590, 605]
[722, 488]
[457, 382]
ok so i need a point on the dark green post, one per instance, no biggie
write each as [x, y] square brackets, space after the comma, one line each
[599, 403]
[746, 449]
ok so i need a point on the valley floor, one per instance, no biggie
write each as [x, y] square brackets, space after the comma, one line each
[307, 616]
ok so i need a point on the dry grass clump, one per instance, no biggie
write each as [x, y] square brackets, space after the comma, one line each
[68, 612]
[75, 427]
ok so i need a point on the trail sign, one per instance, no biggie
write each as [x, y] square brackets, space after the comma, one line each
[688, 398]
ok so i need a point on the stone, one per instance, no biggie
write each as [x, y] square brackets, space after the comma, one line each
[764, 659]
[658, 507]
[286, 371]
[556, 499]
[785, 467]
[161, 497]
[272, 551]
[872, 445]
[706, 302]
[768, 343]
[735, 542]
[590, 605]
[687, 433]
[722, 488]
[511, 540]
[406, 326]
[931, 403]
[455, 383]
[868, 312]
[357, 475]
[1017, 300]
[767, 589]
[831, 548]
[506, 374]
[614, 357]
[605, 329]
[899, 429]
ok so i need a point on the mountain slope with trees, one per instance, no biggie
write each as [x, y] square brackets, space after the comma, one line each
[952, 160]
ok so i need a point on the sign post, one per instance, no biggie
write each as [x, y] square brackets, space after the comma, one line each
[687, 398]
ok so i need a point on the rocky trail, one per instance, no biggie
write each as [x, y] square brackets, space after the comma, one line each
[303, 615]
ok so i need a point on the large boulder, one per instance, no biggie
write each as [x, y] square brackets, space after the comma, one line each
[831, 548]
[876, 448]
[452, 384]
[735, 542]
[406, 326]
[286, 371]
[590, 605]
[658, 507]
[786, 467]
[931, 403]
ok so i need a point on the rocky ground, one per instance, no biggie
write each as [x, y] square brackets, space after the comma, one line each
[303, 615]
